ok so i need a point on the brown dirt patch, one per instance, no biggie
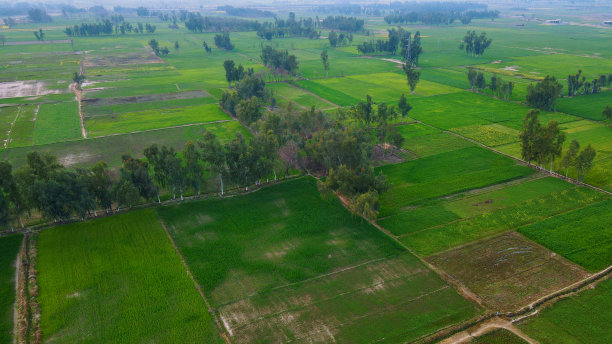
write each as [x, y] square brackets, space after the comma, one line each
[141, 57]
[508, 271]
[25, 88]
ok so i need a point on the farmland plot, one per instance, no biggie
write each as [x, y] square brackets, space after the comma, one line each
[508, 271]
[118, 279]
[281, 264]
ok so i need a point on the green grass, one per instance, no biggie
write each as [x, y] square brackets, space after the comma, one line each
[282, 264]
[22, 133]
[328, 93]
[152, 119]
[92, 110]
[443, 174]
[588, 106]
[581, 318]
[588, 244]
[9, 247]
[444, 237]
[288, 92]
[57, 122]
[118, 279]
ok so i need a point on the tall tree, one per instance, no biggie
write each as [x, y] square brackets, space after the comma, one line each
[213, 154]
[584, 161]
[193, 167]
[325, 61]
[550, 143]
[403, 106]
[570, 156]
[529, 135]
[544, 94]
[229, 66]
[607, 112]
[412, 75]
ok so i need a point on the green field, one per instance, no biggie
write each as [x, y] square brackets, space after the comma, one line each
[416, 181]
[499, 336]
[153, 119]
[118, 279]
[9, 246]
[588, 245]
[581, 318]
[282, 264]
[588, 106]
[57, 122]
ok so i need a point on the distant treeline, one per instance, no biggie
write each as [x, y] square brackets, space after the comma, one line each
[343, 23]
[195, 22]
[289, 27]
[245, 12]
[399, 7]
[107, 27]
[434, 18]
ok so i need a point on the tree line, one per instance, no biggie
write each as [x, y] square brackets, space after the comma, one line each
[578, 84]
[222, 40]
[497, 85]
[279, 60]
[107, 27]
[289, 27]
[544, 144]
[342, 23]
[245, 12]
[410, 45]
[474, 44]
[195, 22]
[437, 18]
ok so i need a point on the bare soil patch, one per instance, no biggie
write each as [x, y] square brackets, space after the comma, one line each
[508, 271]
[144, 98]
[24, 88]
[142, 57]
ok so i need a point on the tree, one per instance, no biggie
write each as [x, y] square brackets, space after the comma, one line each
[40, 35]
[137, 171]
[78, 79]
[412, 75]
[333, 38]
[481, 82]
[544, 94]
[229, 66]
[249, 110]
[471, 75]
[584, 161]
[99, 185]
[325, 61]
[194, 170]
[529, 135]
[176, 45]
[403, 106]
[39, 15]
[607, 112]
[154, 46]
[570, 156]
[214, 155]
[475, 45]
[550, 143]
[126, 193]
[366, 205]
[206, 47]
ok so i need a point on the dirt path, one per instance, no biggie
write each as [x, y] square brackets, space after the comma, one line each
[484, 328]
[8, 133]
[212, 311]
[78, 96]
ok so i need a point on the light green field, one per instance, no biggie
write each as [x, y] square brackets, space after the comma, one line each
[287, 92]
[153, 119]
[588, 106]
[56, 123]
[118, 279]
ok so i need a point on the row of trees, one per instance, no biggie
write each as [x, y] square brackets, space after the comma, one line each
[107, 27]
[544, 94]
[497, 85]
[160, 51]
[245, 12]
[195, 22]
[343, 23]
[437, 18]
[39, 15]
[545, 143]
[474, 44]
[289, 27]
[338, 39]
[410, 45]
[279, 60]
[577, 84]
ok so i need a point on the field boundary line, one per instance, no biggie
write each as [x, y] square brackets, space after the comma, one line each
[314, 94]
[523, 162]
[211, 310]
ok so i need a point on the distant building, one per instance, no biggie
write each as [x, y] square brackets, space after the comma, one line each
[553, 21]
[607, 22]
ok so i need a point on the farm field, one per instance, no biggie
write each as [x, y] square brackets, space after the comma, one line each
[508, 271]
[117, 279]
[581, 318]
[307, 271]
[499, 336]
[9, 247]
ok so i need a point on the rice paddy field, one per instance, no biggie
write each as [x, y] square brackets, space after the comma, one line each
[465, 229]
[9, 247]
[294, 267]
[118, 279]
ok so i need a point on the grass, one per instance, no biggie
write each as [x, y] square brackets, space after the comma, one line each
[282, 264]
[9, 247]
[22, 133]
[153, 119]
[587, 106]
[442, 238]
[328, 93]
[288, 92]
[118, 279]
[93, 110]
[589, 244]
[57, 122]
[581, 318]
[443, 174]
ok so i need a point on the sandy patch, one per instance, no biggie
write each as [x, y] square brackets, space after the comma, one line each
[25, 88]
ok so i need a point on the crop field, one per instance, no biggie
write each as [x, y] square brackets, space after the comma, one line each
[417, 181]
[499, 336]
[508, 271]
[292, 266]
[57, 122]
[589, 245]
[118, 279]
[102, 125]
[581, 318]
[9, 246]
[287, 93]
[588, 106]
[423, 140]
